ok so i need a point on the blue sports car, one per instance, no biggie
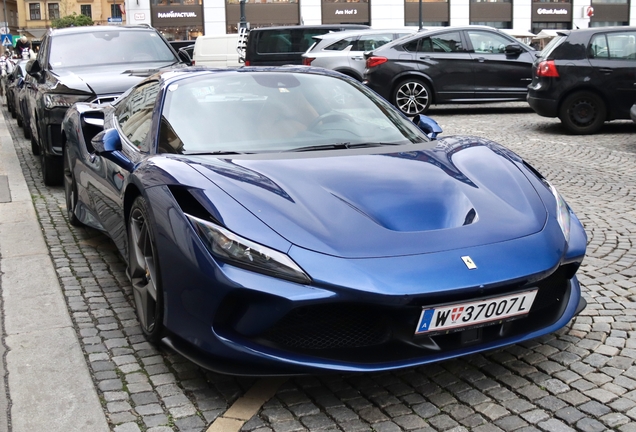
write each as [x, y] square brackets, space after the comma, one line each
[290, 220]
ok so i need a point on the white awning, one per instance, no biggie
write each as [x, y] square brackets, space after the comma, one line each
[34, 33]
[518, 33]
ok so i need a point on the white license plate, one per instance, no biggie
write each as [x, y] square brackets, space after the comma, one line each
[455, 316]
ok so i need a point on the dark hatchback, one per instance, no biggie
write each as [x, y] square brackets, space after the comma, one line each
[85, 64]
[586, 77]
[450, 65]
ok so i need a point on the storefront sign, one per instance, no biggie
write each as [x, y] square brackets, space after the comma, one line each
[346, 12]
[556, 12]
[140, 16]
[336, 13]
[175, 16]
[543, 11]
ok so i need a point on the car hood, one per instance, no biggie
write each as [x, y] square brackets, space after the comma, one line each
[104, 79]
[367, 203]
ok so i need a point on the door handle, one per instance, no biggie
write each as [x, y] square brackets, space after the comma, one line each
[480, 59]
[425, 58]
[606, 70]
[357, 58]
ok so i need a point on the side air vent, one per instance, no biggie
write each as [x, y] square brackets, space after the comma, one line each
[189, 204]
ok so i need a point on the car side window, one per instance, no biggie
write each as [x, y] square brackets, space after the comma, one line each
[487, 42]
[274, 42]
[341, 44]
[371, 42]
[411, 46]
[134, 114]
[615, 46]
[442, 43]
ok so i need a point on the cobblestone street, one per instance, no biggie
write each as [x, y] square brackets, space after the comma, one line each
[581, 378]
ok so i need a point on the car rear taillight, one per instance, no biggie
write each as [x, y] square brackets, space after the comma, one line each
[247, 62]
[376, 61]
[547, 68]
[307, 61]
[193, 62]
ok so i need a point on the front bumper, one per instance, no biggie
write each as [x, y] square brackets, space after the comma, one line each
[357, 315]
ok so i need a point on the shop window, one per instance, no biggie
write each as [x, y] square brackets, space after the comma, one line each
[34, 11]
[86, 10]
[495, 24]
[608, 23]
[54, 11]
[538, 26]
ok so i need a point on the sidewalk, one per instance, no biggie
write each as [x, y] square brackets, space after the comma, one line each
[49, 387]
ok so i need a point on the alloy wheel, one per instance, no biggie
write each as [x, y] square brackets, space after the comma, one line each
[143, 270]
[412, 97]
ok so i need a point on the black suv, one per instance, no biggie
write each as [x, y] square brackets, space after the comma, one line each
[586, 77]
[81, 64]
[277, 46]
[450, 65]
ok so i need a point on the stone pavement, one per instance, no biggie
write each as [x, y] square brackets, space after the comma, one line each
[580, 378]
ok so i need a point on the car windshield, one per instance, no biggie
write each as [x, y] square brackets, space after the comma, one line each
[108, 47]
[254, 112]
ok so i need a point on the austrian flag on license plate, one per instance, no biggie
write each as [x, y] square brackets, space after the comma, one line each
[455, 316]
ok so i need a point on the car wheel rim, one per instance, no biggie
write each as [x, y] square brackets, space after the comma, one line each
[412, 98]
[583, 112]
[143, 270]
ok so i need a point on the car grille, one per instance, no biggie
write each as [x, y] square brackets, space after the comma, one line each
[368, 333]
[330, 326]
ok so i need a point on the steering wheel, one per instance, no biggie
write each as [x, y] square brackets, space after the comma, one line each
[333, 115]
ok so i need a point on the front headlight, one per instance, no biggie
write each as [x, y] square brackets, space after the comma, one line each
[241, 252]
[52, 100]
[563, 213]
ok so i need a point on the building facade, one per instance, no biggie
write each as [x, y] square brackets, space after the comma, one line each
[187, 19]
[34, 17]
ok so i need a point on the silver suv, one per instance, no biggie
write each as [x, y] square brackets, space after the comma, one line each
[344, 51]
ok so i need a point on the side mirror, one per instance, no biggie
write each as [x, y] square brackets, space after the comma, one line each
[107, 144]
[33, 68]
[184, 56]
[513, 50]
[427, 125]
[107, 141]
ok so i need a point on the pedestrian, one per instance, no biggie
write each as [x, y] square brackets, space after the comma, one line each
[23, 47]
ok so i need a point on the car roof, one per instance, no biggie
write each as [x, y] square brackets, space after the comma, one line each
[347, 33]
[93, 29]
[169, 76]
[318, 26]
[596, 30]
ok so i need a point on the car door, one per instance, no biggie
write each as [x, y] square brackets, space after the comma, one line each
[498, 75]
[613, 60]
[133, 119]
[443, 57]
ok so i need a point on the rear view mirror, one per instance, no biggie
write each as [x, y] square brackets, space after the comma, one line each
[33, 68]
[107, 141]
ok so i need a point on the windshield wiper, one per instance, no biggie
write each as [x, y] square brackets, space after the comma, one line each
[214, 153]
[340, 146]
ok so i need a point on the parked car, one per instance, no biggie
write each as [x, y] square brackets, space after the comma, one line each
[15, 81]
[80, 64]
[289, 220]
[276, 46]
[450, 65]
[344, 51]
[184, 48]
[586, 77]
[217, 51]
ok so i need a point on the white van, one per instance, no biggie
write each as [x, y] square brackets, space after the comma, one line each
[217, 51]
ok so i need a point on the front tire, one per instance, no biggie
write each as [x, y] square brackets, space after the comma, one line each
[412, 97]
[70, 191]
[143, 270]
[583, 113]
